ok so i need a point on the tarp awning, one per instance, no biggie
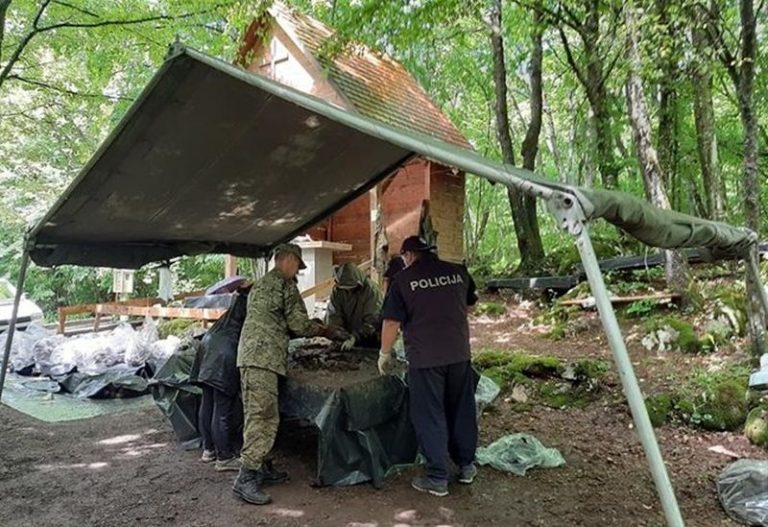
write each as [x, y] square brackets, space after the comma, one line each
[214, 159]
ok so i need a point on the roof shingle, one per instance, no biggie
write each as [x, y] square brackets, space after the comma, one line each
[376, 85]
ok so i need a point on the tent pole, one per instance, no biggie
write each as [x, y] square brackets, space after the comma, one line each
[14, 316]
[753, 269]
[629, 380]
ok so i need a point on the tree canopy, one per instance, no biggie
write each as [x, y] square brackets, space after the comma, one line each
[567, 73]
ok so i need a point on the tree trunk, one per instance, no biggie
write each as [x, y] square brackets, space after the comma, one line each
[3, 10]
[552, 141]
[751, 183]
[522, 207]
[597, 94]
[704, 117]
[677, 271]
[667, 130]
[601, 124]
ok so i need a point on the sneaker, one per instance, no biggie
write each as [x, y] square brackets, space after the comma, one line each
[248, 487]
[209, 456]
[223, 465]
[271, 475]
[432, 486]
[467, 474]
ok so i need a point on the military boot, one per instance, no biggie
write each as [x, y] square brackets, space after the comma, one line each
[271, 475]
[248, 487]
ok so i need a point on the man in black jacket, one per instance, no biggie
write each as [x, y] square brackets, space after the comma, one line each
[429, 301]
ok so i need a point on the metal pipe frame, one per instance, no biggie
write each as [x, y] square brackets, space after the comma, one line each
[571, 219]
[14, 317]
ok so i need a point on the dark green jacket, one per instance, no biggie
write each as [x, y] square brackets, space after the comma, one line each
[355, 303]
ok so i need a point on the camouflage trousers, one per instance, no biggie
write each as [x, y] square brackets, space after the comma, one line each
[261, 415]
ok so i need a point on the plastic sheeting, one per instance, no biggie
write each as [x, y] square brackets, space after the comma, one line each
[743, 491]
[218, 363]
[518, 453]
[117, 383]
[22, 348]
[364, 429]
[176, 396]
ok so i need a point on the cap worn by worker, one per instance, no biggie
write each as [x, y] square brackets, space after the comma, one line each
[415, 244]
[291, 248]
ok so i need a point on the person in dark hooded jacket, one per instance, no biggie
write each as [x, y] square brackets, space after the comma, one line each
[355, 305]
[221, 410]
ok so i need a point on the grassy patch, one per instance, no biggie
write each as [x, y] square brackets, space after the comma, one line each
[660, 408]
[546, 378]
[715, 400]
[491, 309]
[178, 327]
[756, 426]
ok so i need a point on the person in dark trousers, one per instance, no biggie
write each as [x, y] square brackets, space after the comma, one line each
[221, 410]
[429, 301]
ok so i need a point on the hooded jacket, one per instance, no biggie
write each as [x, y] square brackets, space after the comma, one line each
[355, 303]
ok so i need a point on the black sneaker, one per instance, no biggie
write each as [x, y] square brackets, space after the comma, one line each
[467, 474]
[271, 475]
[248, 487]
[432, 486]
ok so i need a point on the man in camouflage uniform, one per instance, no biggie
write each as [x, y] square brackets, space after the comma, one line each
[275, 312]
[355, 305]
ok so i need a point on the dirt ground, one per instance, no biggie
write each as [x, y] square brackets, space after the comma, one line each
[126, 469]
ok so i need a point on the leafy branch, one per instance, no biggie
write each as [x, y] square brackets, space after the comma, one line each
[66, 91]
[37, 29]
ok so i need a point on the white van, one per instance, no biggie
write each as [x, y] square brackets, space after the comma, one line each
[28, 311]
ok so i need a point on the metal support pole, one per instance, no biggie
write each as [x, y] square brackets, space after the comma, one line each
[14, 316]
[629, 380]
[753, 256]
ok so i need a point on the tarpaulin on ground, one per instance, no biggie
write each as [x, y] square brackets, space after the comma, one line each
[116, 382]
[743, 491]
[364, 429]
[177, 397]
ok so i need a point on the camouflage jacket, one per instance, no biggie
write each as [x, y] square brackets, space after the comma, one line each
[276, 312]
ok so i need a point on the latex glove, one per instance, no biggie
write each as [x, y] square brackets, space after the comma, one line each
[385, 363]
[348, 344]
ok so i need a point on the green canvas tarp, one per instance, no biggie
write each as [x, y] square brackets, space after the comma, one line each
[214, 159]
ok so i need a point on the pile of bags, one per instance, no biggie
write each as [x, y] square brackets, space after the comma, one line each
[39, 351]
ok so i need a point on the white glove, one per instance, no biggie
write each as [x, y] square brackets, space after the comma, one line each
[348, 344]
[385, 363]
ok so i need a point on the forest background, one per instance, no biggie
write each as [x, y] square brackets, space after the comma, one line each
[664, 99]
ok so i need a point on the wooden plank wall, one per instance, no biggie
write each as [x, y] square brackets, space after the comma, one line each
[446, 207]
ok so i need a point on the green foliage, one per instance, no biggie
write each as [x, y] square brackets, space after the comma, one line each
[590, 370]
[514, 366]
[686, 340]
[558, 317]
[756, 427]
[659, 408]
[641, 308]
[492, 309]
[715, 400]
[85, 78]
[546, 378]
[178, 327]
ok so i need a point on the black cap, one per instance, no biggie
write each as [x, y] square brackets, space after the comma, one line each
[415, 244]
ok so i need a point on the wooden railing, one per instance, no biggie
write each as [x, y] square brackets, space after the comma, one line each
[143, 307]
